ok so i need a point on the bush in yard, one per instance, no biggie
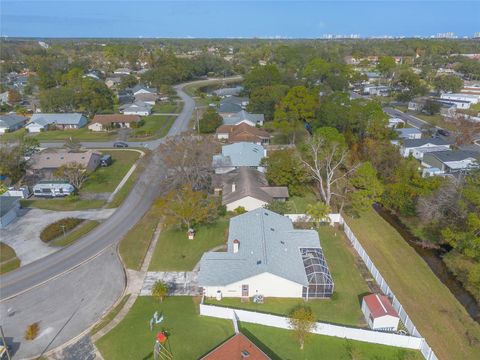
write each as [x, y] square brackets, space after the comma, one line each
[57, 228]
[210, 121]
[32, 331]
[159, 290]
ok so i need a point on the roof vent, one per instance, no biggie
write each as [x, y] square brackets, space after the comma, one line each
[272, 229]
[245, 354]
[282, 242]
[236, 246]
[266, 214]
[259, 262]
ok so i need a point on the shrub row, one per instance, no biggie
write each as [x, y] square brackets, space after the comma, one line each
[56, 229]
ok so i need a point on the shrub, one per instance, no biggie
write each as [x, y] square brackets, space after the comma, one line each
[32, 331]
[57, 228]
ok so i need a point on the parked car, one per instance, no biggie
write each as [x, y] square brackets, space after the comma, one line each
[443, 132]
[106, 160]
[120, 144]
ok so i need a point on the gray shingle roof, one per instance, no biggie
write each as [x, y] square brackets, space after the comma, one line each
[407, 131]
[143, 87]
[411, 143]
[268, 244]
[10, 120]
[458, 155]
[242, 116]
[239, 154]
[61, 119]
[229, 108]
[228, 91]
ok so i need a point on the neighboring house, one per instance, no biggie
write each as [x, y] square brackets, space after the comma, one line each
[113, 81]
[53, 188]
[471, 88]
[231, 91]
[142, 89]
[471, 98]
[379, 90]
[416, 105]
[11, 122]
[394, 123]
[418, 147]
[122, 71]
[147, 98]
[266, 256]
[459, 104]
[237, 347]
[248, 188]
[243, 117]
[9, 209]
[232, 105]
[379, 313]
[237, 155]
[40, 122]
[409, 133]
[105, 122]
[242, 132]
[125, 97]
[450, 162]
[137, 108]
[44, 164]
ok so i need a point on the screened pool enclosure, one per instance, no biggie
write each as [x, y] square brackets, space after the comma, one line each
[320, 282]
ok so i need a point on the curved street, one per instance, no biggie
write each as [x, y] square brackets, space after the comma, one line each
[42, 291]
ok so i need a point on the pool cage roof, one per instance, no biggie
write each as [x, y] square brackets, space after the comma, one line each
[320, 282]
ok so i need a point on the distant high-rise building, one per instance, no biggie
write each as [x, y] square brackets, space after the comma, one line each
[446, 35]
[477, 35]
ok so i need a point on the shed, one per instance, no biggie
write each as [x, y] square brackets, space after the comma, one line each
[9, 207]
[379, 313]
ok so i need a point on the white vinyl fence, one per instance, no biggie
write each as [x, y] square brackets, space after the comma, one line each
[375, 337]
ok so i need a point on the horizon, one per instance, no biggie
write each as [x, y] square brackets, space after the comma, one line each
[237, 19]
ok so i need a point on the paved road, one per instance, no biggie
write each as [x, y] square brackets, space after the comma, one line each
[32, 290]
[410, 119]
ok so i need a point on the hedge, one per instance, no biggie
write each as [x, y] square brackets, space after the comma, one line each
[55, 229]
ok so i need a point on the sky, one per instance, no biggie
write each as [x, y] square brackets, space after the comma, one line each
[226, 19]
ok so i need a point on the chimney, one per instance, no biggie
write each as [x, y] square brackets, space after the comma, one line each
[234, 187]
[236, 246]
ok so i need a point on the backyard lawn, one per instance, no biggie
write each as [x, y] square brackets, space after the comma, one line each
[281, 344]
[298, 204]
[191, 335]
[106, 179]
[174, 252]
[344, 307]
[439, 317]
[8, 259]
[156, 126]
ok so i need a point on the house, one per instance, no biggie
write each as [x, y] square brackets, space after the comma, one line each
[231, 91]
[379, 90]
[416, 104]
[105, 122]
[45, 163]
[40, 122]
[471, 98]
[237, 155]
[137, 108]
[122, 71]
[394, 123]
[11, 122]
[242, 132]
[244, 117]
[237, 347]
[266, 256]
[248, 188]
[471, 88]
[379, 313]
[142, 89]
[9, 209]
[459, 104]
[125, 97]
[94, 74]
[147, 98]
[53, 188]
[113, 81]
[409, 133]
[450, 162]
[232, 104]
[418, 147]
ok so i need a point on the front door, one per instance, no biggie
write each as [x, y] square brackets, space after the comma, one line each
[244, 290]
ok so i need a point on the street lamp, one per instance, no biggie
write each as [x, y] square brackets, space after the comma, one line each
[63, 229]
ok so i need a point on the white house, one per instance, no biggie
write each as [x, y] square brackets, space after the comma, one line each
[9, 208]
[266, 256]
[142, 89]
[244, 117]
[449, 162]
[137, 108]
[40, 122]
[379, 313]
[237, 155]
[471, 98]
[393, 123]
[418, 147]
[409, 133]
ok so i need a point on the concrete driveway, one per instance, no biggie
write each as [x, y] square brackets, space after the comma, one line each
[23, 234]
[180, 283]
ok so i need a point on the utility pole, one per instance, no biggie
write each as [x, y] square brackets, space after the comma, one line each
[4, 343]
[63, 229]
[198, 121]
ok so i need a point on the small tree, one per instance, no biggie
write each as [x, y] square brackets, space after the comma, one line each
[73, 144]
[159, 290]
[280, 207]
[210, 121]
[318, 212]
[302, 322]
[74, 172]
[32, 331]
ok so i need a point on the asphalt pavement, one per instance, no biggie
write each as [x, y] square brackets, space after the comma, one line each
[410, 119]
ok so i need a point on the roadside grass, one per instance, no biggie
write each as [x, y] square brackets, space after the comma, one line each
[78, 232]
[439, 317]
[8, 259]
[78, 134]
[110, 316]
[155, 127]
[64, 204]
[14, 135]
[437, 120]
[135, 243]
[343, 308]
[281, 344]
[298, 204]
[174, 252]
[106, 179]
[191, 335]
[171, 107]
[124, 191]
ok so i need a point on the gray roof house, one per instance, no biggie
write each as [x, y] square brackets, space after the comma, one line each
[39, 122]
[450, 162]
[266, 256]
[418, 147]
[232, 105]
[137, 108]
[237, 155]
[11, 122]
[142, 89]
[409, 133]
[9, 207]
[248, 188]
[230, 91]
[244, 117]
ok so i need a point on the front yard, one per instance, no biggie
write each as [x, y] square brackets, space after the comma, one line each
[343, 307]
[170, 107]
[82, 134]
[174, 252]
[8, 259]
[155, 127]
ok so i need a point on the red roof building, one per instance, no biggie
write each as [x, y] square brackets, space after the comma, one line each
[379, 313]
[237, 347]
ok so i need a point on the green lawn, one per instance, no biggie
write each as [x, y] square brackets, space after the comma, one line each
[110, 316]
[15, 135]
[106, 179]
[171, 107]
[8, 259]
[191, 335]
[344, 307]
[174, 252]
[79, 231]
[281, 344]
[298, 204]
[134, 245]
[439, 317]
[156, 126]
[63, 204]
[78, 134]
